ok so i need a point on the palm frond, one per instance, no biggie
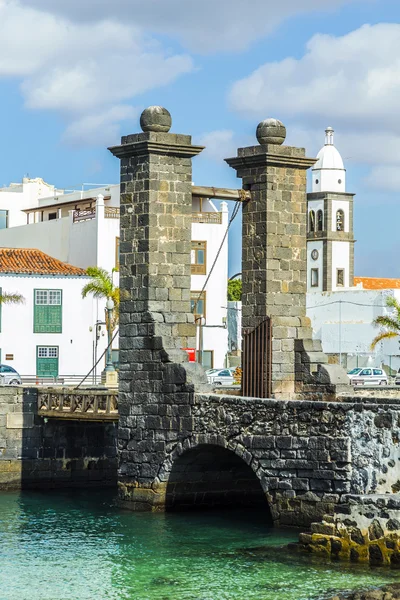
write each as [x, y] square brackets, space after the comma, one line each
[385, 335]
[392, 302]
[386, 321]
[7, 298]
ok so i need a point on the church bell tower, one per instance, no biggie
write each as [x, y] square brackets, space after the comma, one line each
[330, 239]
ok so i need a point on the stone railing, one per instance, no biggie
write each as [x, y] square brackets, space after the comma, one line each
[214, 218]
[111, 212]
[83, 404]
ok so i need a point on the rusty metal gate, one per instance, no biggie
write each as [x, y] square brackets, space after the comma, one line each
[257, 361]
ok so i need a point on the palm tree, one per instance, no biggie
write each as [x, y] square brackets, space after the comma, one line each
[101, 285]
[7, 298]
[390, 322]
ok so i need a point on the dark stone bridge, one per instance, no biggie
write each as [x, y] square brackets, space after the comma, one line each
[181, 447]
[296, 458]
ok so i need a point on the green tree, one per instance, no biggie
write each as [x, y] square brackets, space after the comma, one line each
[391, 323]
[7, 298]
[101, 285]
[234, 290]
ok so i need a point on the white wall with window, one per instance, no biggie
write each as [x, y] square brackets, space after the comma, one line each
[53, 332]
[91, 238]
[343, 322]
[206, 240]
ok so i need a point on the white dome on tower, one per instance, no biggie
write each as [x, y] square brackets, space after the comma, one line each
[328, 173]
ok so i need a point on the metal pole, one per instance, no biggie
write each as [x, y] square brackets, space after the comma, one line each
[340, 332]
[201, 339]
[109, 363]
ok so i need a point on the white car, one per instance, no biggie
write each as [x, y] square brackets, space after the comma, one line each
[221, 377]
[369, 376]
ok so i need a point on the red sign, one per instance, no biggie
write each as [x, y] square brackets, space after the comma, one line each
[191, 352]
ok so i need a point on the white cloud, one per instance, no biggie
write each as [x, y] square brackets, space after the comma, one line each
[222, 143]
[203, 26]
[354, 78]
[218, 144]
[385, 177]
[83, 70]
[100, 128]
[350, 82]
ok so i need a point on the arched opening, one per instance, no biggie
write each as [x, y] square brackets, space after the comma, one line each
[211, 477]
[311, 221]
[340, 220]
[320, 220]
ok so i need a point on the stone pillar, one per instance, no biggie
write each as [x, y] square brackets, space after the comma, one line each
[156, 381]
[274, 251]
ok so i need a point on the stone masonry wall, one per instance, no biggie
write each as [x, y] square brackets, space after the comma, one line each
[274, 261]
[156, 322]
[57, 453]
[362, 529]
[306, 455]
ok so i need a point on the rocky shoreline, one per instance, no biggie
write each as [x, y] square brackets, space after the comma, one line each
[390, 591]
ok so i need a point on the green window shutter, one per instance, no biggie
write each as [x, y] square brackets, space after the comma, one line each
[46, 361]
[47, 318]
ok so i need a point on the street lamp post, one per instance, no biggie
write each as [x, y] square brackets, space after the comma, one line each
[109, 375]
[110, 308]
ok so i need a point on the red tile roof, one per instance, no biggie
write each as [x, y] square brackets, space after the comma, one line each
[34, 262]
[376, 283]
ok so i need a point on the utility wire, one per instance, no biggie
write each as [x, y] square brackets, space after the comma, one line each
[94, 366]
[233, 216]
[346, 302]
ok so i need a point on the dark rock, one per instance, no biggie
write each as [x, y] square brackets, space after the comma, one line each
[393, 524]
[375, 554]
[356, 536]
[354, 556]
[375, 531]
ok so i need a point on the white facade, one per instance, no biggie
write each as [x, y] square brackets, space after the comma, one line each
[17, 197]
[330, 242]
[82, 229]
[215, 333]
[76, 343]
[342, 320]
[328, 173]
[315, 261]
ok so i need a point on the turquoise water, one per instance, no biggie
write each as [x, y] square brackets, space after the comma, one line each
[78, 546]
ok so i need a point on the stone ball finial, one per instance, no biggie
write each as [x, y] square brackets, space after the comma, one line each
[271, 131]
[156, 118]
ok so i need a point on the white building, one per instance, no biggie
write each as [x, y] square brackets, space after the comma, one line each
[52, 334]
[82, 228]
[342, 307]
[330, 240]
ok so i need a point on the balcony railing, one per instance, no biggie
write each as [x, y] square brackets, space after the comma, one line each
[78, 404]
[213, 218]
[84, 214]
[110, 212]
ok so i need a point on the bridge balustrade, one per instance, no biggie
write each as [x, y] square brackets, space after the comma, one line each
[78, 404]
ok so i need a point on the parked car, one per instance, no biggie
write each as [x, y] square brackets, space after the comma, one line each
[369, 376]
[397, 378]
[355, 371]
[221, 377]
[9, 376]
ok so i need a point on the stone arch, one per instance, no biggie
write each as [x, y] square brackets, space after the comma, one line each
[320, 220]
[213, 476]
[340, 220]
[311, 221]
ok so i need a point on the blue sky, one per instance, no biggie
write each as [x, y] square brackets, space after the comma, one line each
[75, 75]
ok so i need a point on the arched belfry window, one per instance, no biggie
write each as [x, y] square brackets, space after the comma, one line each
[340, 220]
[320, 220]
[311, 220]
